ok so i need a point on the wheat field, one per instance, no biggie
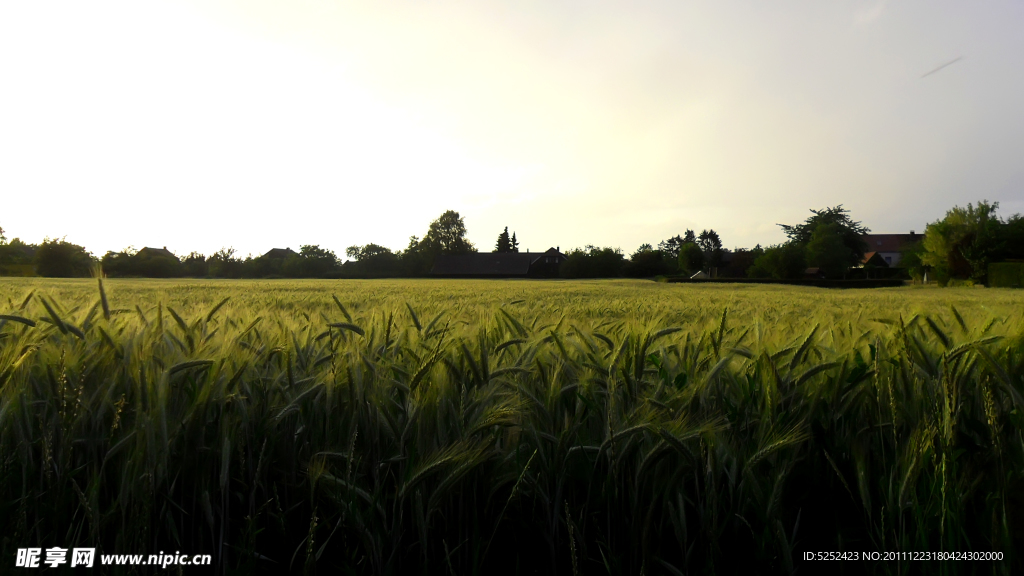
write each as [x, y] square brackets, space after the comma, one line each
[466, 427]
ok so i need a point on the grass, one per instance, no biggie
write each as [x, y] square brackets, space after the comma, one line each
[469, 427]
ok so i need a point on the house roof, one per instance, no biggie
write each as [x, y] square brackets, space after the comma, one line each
[280, 253]
[489, 263]
[890, 242]
[161, 252]
[873, 258]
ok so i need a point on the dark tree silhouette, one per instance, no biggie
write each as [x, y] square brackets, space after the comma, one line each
[670, 248]
[373, 261]
[367, 252]
[313, 262]
[504, 242]
[593, 262]
[418, 257]
[827, 252]
[17, 252]
[447, 235]
[224, 264]
[140, 264]
[515, 243]
[194, 265]
[851, 232]
[711, 245]
[743, 260]
[62, 259]
[783, 261]
[646, 262]
[691, 257]
[1012, 242]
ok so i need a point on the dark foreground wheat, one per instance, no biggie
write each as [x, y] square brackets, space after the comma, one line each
[393, 439]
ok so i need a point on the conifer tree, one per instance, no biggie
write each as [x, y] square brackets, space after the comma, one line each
[504, 243]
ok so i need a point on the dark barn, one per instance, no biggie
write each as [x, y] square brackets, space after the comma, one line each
[148, 252]
[499, 265]
[280, 253]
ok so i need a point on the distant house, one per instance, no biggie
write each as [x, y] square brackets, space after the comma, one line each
[280, 253]
[157, 253]
[499, 265]
[874, 259]
[890, 246]
[146, 263]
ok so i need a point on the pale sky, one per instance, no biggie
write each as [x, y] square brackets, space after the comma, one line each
[258, 124]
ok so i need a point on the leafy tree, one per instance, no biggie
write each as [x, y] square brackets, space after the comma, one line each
[361, 253]
[711, 245]
[850, 231]
[116, 264]
[3, 239]
[963, 242]
[504, 242]
[194, 266]
[61, 259]
[827, 252]
[670, 247]
[264, 266]
[315, 252]
[782, 261]
[17, 252]
[910, 259]
[447, 235]
[224, 264]
[373, 261]
[743, 259]
[646, 262]
[593, 262]
[313, 262]
[418, 257]
[1011, 245]
[136, 264]
[691, 258]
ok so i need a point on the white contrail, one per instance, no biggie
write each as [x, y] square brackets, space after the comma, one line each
[943, 66]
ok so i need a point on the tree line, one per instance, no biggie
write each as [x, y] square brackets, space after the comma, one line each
[828, 240]
[57, 257]
[957, 248]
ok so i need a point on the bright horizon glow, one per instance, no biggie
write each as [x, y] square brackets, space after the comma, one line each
[257, 124]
